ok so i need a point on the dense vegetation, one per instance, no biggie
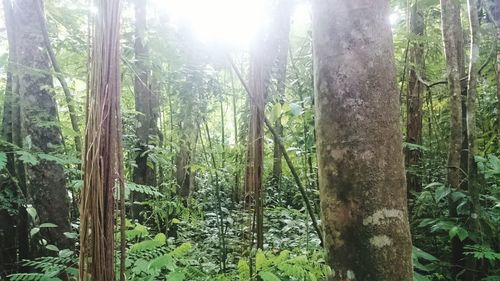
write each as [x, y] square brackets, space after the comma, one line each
[210, 159]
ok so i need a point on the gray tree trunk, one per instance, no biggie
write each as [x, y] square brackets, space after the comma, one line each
[360, 156]
[450, 11]
[414, 102]
[39, 124]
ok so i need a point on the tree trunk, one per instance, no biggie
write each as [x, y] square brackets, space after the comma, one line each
[67, 94]
[414, 103]
[46, 181]
[8, 188]
[187, 136]
[103, 152]
[145, 105]
[472, 183]
[360, 156]
[259, 77]
[449, 11]
[282, 38]
[497, 74]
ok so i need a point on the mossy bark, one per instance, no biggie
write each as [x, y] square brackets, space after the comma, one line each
[39, 124]
[359, 142]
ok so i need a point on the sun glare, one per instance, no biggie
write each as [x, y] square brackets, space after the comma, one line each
[228, 22]
[232, 22]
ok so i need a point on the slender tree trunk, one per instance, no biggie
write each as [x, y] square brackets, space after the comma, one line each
[144, 99]
[46, 182]
[362, 183]
[145, 105]
[102, 167]
[188, 135]
[259, 77]
[449, 11]
[497, 68]
[8, 188]
[282, 34]
[414, 102]
[472, 183]
[236, 189]
[67, 94]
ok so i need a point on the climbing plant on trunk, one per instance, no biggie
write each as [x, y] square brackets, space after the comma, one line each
[102, 170]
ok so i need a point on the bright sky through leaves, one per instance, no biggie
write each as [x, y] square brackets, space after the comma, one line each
[230, 22]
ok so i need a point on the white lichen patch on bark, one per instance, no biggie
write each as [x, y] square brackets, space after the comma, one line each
[351, 275]
[379, 241]
[382, 215]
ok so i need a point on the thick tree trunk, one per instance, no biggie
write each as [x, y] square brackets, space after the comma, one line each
[360, 156]
[103, 152]
[46, 182]
[449, 11]
[414, 103]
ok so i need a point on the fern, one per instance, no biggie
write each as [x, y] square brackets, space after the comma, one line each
[32, 277]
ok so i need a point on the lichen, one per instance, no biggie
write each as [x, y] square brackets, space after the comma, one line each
[380, 241]
[382, 215]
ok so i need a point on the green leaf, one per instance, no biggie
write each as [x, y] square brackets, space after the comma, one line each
[52, 248]
[268, 276]
[441, 192]
[160, 237]
[3, 160]
[260, 260]
[146, 245]
[296, 109]
[47, 225]
[34, 231]
[49, 157]
[458, 231]
[64, 253]
[71, 235]
[161, 262]
[423, 255]
[419, 277]
[176, 276]
[27, 157]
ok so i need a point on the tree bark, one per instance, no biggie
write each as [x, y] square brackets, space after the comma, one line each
[67, 94]
[46, 181]
[360, 156]
[146, 107]
[472, 183]
[282, 38]
[8, 188]
[449, 11]
[414, 102]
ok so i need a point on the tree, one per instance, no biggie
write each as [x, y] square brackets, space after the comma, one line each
[146, 105]
[414, 100]
[39, 127]
[102, 162]
[360, 157]
[282, 38]
[450, 11]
